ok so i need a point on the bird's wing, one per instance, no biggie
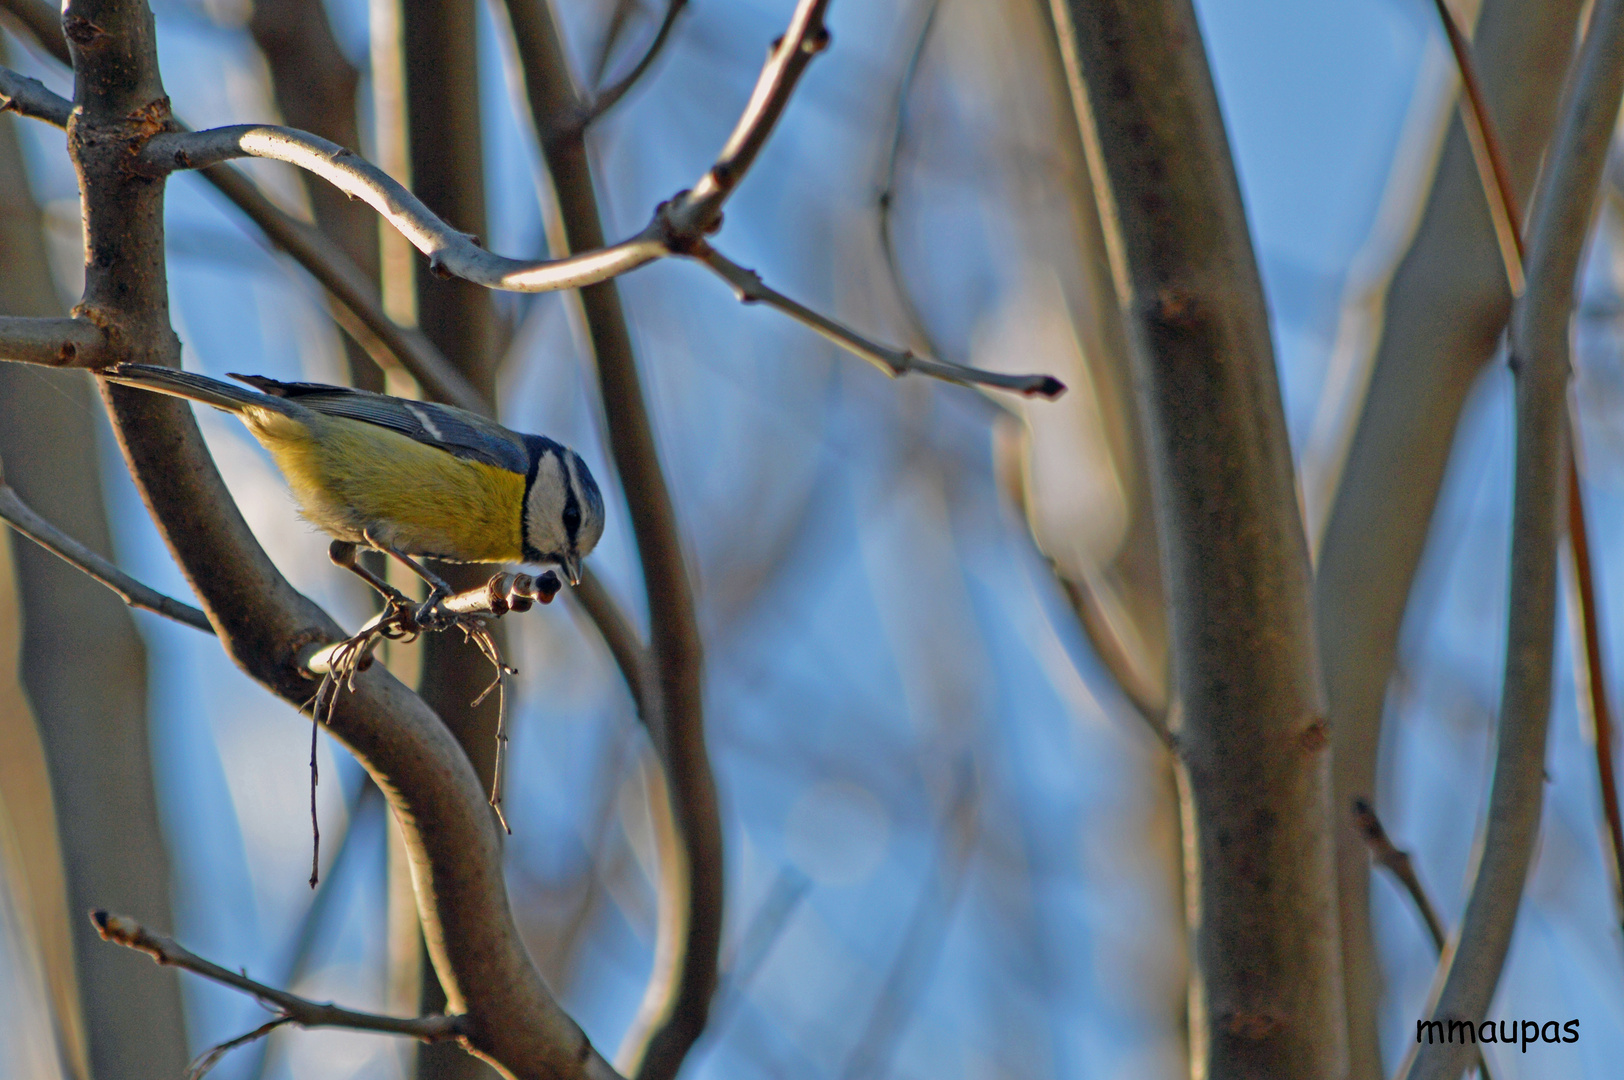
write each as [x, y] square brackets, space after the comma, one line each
[455, 431]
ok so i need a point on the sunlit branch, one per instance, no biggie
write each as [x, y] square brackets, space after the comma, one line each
[450, 252]
[386, 340]
[20, 516]
[749, 288]
[132, 935]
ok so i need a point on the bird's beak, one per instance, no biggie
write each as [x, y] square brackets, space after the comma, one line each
[572, 568]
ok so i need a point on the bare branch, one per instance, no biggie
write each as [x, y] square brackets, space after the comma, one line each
[1594, 669]
[610, 96]
[749, 288]
[450, 252]
[1397, 863]
[1563, 206]
[1254, 767]
[210, 1058]
[29, 97]
[385, 339]
[54, 342]
[302, 1011]
[265, 625]
[1492, 170]
[20, 516]
[699, 212]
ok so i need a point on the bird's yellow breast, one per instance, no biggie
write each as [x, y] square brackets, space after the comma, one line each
[362, 482]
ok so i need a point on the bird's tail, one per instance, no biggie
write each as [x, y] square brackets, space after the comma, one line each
[185, 384]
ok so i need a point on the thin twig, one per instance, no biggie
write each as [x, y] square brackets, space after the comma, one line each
[1595, 669]
[610, 96]
[1487, 153]
[1397, 862]
[302, 1011]
[211, 1057]
[451, 253]
[20, 516]
[749, 288]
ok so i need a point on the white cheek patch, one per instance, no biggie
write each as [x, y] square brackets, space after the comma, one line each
[544, 512]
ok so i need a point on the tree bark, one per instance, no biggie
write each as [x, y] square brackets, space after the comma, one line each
[1254, 770]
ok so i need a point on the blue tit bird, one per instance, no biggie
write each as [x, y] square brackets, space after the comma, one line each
[408, 477]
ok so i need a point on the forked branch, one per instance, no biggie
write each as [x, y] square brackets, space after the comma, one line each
[302, 1011]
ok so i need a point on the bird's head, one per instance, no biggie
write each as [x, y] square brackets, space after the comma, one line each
[563, 513]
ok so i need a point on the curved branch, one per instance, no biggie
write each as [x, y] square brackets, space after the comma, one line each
[450, 252]
[610, 96]
[302, 1011]
[385, 339]
[1563, 206]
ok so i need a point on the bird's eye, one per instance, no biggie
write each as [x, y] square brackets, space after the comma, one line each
[572, 518]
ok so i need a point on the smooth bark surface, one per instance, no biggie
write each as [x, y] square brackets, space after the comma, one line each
[1563, 207]
[1252, 744]
[1446, 307]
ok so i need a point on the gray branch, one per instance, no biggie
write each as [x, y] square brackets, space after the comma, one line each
[750, 289]
[20, 516]
[29, 97]
[1563, 206]
[54, 342]
[1252, 746]
[297, 1010]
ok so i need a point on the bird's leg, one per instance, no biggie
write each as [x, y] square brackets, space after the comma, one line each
[438, 587]
[342, 552]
